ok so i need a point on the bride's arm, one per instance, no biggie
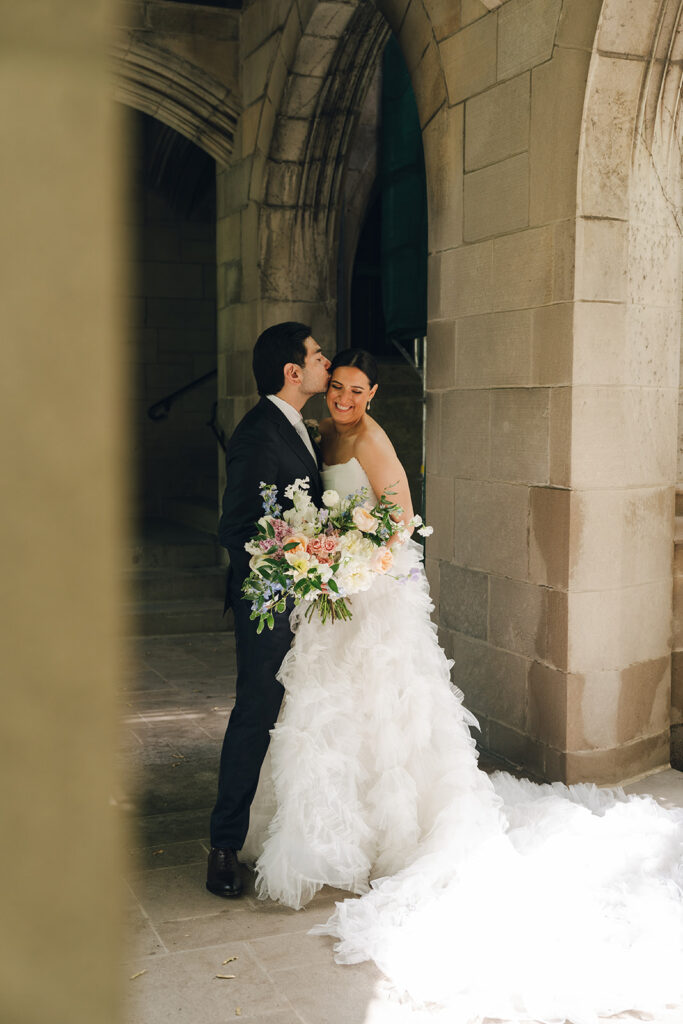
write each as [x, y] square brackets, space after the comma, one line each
[376, 455]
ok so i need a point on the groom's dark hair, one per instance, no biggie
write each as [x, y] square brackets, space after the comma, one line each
[274, 348]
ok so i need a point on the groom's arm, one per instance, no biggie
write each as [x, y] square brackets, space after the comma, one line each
[252, 457]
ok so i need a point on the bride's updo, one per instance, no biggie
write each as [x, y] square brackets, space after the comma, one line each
[358, 358]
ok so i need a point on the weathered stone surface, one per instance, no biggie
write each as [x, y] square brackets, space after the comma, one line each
[433, 432]
[429, 84]
[493, 350]
[491, 527]
[469, 59]
[528, 620]
[606, 154]
[465, 434]
[497, 199]
[447, 17]
[577, 24]
[394, 11]
[415, 35]
[516, 747]
[497, 123]
[522, 271]
[601, 251]
[628, 27]
[605, 767]
[465, 281]
[443, 142]
[654, 276]
[526, 34]
[494, 682]
[554, 140]
[623, 435]
[610, 629]
[621, 538]
[464, 600]
[547, 711]
[520, 435]
[552, 336]
[440, 354]
[677, 687]
[440, 515]
[561, 438]
[549, 536]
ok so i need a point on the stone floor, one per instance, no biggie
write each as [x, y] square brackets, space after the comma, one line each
[193, 958]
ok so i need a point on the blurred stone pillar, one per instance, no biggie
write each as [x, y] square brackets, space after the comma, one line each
[61, 411]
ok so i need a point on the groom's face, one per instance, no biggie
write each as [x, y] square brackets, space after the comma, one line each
[315, 371]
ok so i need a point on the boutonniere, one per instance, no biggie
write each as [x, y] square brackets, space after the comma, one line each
[313, 430]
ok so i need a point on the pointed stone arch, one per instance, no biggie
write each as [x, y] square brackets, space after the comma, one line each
[178, 93]
[334, 62]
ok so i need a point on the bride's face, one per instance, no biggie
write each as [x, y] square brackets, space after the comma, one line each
[348, 394]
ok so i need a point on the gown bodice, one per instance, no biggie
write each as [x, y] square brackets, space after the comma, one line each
[346, 477]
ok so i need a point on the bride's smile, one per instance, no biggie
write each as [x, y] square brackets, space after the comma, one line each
[348, 395]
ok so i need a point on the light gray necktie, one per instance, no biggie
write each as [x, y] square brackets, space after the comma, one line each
[300, 428]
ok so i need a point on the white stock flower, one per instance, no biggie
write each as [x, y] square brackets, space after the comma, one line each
[331, 499]
[300, 521]
[426, 531]
[300, 485]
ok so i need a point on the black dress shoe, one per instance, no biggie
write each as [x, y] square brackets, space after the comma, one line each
[223, 877]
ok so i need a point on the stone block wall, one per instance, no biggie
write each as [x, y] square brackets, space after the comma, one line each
[173, 342]
[553, 354]
[499, 364]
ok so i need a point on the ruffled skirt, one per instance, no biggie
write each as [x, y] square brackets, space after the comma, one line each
[491, 896]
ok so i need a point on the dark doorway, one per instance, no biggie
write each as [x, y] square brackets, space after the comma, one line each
[173, 333]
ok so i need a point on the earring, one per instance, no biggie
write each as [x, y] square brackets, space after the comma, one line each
[367, 407]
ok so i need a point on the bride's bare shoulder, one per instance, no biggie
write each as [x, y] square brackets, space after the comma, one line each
[374, 444]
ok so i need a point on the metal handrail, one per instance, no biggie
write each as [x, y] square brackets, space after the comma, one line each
[161, 409]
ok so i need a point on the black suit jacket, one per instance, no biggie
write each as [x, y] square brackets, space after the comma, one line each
[264, 447]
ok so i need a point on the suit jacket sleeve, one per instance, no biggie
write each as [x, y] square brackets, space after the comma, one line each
[251, 458]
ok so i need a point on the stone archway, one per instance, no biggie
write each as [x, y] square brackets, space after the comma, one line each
[178, 93]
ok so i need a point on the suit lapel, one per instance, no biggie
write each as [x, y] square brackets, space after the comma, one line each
[290, 436]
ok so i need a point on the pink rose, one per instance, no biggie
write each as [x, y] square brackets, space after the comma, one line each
[330, 543]
[316, 546]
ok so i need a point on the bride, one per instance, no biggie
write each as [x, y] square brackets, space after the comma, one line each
[490, 896]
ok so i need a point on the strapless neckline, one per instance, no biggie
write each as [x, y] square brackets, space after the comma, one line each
[335, 465]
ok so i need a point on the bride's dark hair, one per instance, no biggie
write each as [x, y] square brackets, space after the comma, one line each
[359, 358]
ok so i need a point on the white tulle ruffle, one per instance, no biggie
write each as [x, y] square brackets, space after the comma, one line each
[490, 896]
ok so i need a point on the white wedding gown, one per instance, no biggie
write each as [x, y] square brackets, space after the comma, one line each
[490, 896]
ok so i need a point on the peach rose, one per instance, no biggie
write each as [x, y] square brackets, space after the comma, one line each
[299, 539]
[383, 560]
[363, 520]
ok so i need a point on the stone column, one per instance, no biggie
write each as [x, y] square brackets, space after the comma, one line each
[64, 496]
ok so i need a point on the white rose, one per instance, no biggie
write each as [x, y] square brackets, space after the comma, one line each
[355, 578]
[331, 499]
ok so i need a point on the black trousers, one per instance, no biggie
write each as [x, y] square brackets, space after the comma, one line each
[257, 705]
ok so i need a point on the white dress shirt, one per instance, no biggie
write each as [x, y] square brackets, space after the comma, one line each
[297, 421]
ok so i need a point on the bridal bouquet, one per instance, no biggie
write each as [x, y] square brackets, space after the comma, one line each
[321, 556]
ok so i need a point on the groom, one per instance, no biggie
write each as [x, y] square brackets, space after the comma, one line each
[270, 444]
